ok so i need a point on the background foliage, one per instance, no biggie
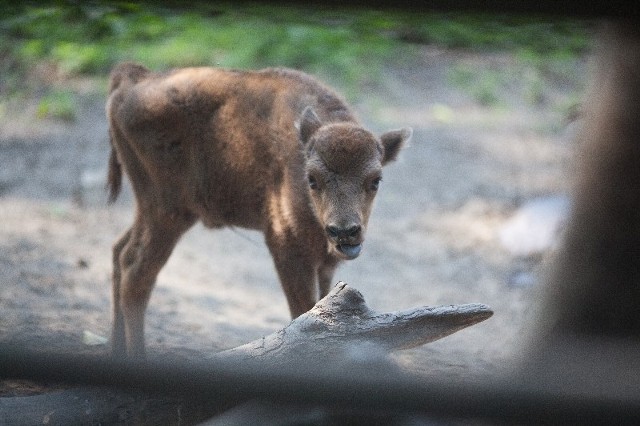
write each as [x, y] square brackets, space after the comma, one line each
[43, 43]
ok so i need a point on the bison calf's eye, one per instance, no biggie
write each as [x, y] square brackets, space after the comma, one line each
[375, 183]
[313, 183]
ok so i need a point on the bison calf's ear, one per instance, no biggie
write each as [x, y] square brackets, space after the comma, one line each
[309, 123]
[392, 142]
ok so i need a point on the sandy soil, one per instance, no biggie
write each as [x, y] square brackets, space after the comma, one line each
[433, 238]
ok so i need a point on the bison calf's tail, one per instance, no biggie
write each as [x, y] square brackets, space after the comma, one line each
[122, 75]
[114, 179]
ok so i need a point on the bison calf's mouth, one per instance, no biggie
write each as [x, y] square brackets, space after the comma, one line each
[347, 240]
[351, 251]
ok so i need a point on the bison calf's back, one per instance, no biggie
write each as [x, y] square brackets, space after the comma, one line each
[272, 150]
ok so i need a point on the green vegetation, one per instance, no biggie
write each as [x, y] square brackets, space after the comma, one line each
[57, 103]
[71, 39]
[539, 35]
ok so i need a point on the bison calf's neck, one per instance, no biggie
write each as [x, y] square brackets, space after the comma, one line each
[272, 150]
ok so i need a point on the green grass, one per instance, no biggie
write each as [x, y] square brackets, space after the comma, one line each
[58, 104]
[482, 85]
[88, 38]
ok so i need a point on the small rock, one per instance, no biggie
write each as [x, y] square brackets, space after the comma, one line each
[92, 339]
[522, 280]
[535, 226]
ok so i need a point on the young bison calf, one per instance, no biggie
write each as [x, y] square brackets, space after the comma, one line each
[272, 150]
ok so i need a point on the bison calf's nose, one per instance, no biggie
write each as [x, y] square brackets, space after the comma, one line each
[342, 234]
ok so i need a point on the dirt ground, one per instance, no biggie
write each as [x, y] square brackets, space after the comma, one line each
[434, 238]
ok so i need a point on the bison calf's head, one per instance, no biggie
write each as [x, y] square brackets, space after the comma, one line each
[344, 170]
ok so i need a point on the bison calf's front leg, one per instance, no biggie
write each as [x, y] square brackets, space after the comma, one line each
[299, 284]
[325, 277]
[297, 274]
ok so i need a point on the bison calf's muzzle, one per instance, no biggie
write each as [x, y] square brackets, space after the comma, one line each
[347, 240]
[271, 150]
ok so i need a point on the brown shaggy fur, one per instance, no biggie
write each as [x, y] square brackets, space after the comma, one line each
[272, 150]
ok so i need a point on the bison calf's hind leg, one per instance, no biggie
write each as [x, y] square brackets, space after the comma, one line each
[138, 257]
[118, 342]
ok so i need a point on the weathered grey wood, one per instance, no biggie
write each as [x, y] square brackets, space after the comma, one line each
[341, 323]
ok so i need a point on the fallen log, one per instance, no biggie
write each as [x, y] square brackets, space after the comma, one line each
[340, 332]
[341, 327]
